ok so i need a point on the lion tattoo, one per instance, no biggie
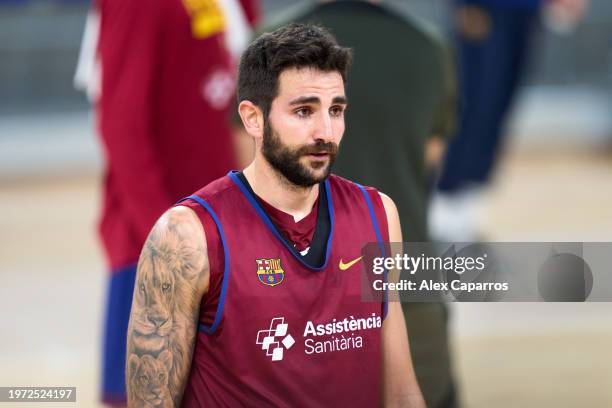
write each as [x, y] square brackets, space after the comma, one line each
[162, 319]
[148, 380]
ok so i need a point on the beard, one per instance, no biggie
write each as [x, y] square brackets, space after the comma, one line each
[286, 160]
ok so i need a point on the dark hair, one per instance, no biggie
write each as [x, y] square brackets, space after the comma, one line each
[291, 46]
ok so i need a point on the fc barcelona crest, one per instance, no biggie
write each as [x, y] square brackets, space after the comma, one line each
[270, 272]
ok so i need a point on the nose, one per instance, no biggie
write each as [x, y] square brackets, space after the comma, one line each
[157, 319]
[324, 127]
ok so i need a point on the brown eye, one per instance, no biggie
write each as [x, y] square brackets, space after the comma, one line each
[165, 287]
[161, 376]
[142, 287]
[337, 111]
[303, 112]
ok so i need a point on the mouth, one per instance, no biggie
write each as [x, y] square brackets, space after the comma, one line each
[318, 156]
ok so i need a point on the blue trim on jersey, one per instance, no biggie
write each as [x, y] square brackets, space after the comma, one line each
[226, 261]
[378, 239]
[273, 229]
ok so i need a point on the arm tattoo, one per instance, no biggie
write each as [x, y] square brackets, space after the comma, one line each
[165, 310]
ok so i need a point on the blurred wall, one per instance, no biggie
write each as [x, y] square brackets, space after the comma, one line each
[39, 42]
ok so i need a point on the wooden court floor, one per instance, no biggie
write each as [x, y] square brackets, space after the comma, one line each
[506, 355]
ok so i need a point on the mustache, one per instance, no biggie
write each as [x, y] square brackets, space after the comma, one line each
[317, 148]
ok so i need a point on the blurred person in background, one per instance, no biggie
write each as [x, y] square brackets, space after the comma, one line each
[402, 93]
[493, 39]
[166, 86]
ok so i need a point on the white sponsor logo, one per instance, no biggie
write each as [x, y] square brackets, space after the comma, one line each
[275, 339]
[336, 335]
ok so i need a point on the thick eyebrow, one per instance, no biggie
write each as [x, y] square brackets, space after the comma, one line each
[315, 100]
[340, 99]
[305, 100]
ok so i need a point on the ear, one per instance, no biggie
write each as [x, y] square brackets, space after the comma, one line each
[133, 363]
[252, 118]
[165, 357]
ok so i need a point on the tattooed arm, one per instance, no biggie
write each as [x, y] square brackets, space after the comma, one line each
[172, 277]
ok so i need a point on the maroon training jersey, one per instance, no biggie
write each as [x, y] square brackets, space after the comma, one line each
[275, 331]
[300, 233]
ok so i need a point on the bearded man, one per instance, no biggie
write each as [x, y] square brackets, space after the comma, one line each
[252, 284]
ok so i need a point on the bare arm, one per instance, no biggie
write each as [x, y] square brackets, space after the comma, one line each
[172, 277]
[400, 387]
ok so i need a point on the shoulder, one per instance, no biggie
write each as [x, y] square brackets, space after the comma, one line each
[178, 241]
[336, 182]
[376, 197]
[392, 218]
[178, 226]
[334, 179]
[389, 205]
[345, 187]
[380, 207]
[176, 250]
[342, 185]
[220, 188]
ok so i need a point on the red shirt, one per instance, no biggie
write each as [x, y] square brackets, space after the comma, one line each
[168, 85]
[299, 233]
[303, 337]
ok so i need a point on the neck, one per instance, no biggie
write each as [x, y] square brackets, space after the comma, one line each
[279, 192]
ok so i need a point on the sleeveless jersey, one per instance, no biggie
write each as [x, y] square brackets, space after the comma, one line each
[274, 331]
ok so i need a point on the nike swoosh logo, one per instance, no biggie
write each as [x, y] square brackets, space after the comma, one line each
[344, 266]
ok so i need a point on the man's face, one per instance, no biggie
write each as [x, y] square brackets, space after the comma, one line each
[305, 125]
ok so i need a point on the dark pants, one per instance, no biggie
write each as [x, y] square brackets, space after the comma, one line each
[427, 325]
[118, 306]
[490, 68]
